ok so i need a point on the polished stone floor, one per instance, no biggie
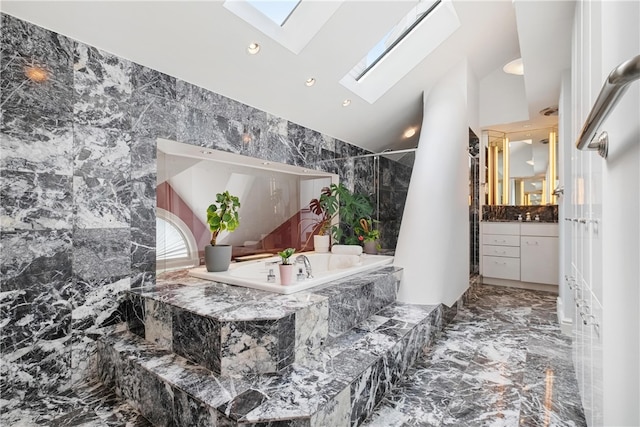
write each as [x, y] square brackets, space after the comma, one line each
[501, 362]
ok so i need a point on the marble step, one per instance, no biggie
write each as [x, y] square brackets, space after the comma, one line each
[234, 330]
[338, 385]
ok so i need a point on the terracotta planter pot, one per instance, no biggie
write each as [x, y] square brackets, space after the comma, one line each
[217, 258]
[286, 274]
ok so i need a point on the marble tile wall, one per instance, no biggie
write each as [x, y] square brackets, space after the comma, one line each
[78, 177]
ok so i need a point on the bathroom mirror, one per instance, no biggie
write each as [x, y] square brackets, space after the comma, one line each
[521, 167]
[274, 201]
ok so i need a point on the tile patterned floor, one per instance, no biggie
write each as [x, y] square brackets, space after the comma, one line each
[501, 362]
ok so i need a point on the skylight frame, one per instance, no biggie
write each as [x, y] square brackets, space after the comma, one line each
[256, 5]
[401, 37]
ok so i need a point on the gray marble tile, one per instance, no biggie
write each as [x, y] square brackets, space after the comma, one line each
[197, 338]
[37, 120]
[101, 253]
[101, 153]
[35, 201]
[153, 117]
[103, 79]
[494, 364]
[147, 81]
[101, 203]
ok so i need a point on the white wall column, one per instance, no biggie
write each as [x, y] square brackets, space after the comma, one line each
[433, 243]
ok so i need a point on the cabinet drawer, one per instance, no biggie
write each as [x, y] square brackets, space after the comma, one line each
[537, 229]
[507, 251]
[500, 240]
[501, 228]
[501, 268]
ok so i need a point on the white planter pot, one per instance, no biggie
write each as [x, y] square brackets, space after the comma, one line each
[321, 243]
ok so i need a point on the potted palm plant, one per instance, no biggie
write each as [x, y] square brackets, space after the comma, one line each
[286, 267]
[221, 216]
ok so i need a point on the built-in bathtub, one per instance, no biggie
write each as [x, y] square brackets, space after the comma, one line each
[326, 268]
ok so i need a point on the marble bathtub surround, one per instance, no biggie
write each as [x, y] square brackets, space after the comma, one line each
[233, 330]
[338, 385]
[78, 180]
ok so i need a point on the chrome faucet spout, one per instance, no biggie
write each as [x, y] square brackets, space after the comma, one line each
[307, 265]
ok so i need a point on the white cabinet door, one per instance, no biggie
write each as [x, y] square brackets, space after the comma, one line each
[501, 267]
[539, 259]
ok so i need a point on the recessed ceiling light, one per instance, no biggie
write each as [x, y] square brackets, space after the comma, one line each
[409, 132]
[310, 81]
[514, 67]
[346, 102]
[253, 48]
[530, 162]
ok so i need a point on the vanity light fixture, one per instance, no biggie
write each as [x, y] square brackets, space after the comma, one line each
[36, 74]
[346, 102]
[253, 48]
[515, 67]
[206, 151]
[266, 163]
[310, 81]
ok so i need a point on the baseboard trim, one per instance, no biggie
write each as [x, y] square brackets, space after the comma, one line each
[521, 285]
[566, 323]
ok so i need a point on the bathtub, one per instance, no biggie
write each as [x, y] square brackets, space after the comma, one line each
[326, 268]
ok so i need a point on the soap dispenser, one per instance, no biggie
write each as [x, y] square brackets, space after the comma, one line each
[528, 216]
[300, 275]
[271, 277]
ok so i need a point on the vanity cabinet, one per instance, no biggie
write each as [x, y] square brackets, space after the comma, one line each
[520, 254]
[539, 253]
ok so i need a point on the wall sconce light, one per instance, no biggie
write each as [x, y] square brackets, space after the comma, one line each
[36, 74]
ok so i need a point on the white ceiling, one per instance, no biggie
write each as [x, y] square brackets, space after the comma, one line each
[204, 43]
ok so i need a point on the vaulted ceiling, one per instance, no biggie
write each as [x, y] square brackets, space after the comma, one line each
[205, 43]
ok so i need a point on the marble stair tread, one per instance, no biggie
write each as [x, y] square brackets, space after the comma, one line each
[339, 384]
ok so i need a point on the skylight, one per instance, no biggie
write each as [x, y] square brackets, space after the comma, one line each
[276, 10]
[394, 36]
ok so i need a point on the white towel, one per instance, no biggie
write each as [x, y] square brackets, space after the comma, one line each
[346, 249]
[337, 262]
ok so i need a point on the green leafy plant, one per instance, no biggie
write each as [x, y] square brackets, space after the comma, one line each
[326, 206]
[338, 200]
[286, 254]
[223, 215]
[353, 207]
[365, 231]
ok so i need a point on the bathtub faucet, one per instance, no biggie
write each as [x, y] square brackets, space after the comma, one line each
[307, 265]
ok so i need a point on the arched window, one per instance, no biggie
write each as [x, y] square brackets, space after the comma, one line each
[175, 244]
